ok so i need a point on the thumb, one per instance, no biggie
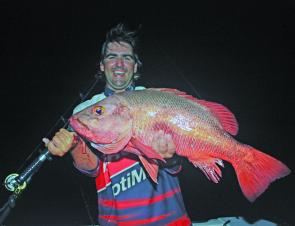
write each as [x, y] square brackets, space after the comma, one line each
[46, 141]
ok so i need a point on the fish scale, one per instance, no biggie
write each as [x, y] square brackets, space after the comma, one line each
[167, 102]
[202, 131]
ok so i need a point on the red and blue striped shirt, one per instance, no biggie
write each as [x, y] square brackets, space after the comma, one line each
[127, 196]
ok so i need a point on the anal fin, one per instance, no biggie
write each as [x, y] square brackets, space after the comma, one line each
[209, 166]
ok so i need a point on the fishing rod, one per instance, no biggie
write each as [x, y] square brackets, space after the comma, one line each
[17, 183]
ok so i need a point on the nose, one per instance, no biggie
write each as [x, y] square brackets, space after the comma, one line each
[119, 62]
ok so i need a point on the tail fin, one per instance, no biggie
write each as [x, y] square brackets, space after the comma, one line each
[256, 171]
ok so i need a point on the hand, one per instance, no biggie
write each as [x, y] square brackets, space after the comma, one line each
[163, 144]
[61, 143]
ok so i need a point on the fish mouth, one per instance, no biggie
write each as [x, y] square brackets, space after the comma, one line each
[97, 145]
[79, 126]
[85, 131]
[82, 123]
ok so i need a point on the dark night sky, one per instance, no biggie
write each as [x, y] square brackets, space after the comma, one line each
[240, 54]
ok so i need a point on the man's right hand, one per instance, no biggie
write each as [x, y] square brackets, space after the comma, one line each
[61, 143]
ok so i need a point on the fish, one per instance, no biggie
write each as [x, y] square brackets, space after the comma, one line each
[202, 131]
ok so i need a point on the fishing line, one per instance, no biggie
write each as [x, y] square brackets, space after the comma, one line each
[63, 118]
[83, 194]
[176, 68]
[86, 204]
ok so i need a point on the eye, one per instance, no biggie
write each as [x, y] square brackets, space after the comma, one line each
[110, 57]
[99, 110]
[128, 58]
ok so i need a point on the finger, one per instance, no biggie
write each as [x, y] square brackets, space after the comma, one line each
[162, 145]
[169, 148]
[57, 141]
[45, 141]
[161, 133]
[155, 144]
[53, 149]
[66, 132]
[62, 130]
[155, 141]
[66, 137]
[156, 136]
[170, 144]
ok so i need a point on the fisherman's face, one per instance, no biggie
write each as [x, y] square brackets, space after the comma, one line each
[118, 66]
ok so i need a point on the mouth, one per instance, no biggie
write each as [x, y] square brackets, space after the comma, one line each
[119, 73]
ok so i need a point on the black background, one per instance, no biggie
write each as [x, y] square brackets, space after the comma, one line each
[238, 53]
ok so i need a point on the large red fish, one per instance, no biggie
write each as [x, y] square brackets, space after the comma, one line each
[201, 131]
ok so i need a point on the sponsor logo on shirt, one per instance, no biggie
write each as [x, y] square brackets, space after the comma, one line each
[132, 178]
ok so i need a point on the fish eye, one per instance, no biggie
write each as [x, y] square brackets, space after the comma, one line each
[98, 110]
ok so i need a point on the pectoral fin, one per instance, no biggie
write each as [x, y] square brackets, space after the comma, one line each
[145, 149]
[151, 167]
[147, 156]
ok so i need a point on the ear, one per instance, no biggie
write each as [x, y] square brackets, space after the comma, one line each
[135, 68]
[101, 66]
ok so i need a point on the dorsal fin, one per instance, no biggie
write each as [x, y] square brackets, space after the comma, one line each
[169, 90]
[176, 92]
[224, 115]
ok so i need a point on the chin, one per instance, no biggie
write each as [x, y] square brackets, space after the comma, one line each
[120, 87]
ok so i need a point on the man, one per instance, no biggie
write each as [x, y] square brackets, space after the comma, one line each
[126, 195]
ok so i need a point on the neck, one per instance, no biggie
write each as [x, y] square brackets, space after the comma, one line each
[108, 91]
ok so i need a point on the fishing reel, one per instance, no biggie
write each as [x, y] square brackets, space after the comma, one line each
[12, 184]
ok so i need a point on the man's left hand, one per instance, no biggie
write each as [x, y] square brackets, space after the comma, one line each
[163, 144]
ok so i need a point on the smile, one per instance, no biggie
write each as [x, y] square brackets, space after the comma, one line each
[119, 74]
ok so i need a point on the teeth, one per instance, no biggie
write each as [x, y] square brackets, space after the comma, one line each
[118, 72]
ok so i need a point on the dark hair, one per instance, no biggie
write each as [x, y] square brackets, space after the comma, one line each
[120, 33]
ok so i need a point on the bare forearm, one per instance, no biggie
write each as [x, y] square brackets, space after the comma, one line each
[83, 157]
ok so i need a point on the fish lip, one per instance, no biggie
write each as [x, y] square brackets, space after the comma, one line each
[96, 145]
[76, 120]
[90, 136]
[83, 124]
